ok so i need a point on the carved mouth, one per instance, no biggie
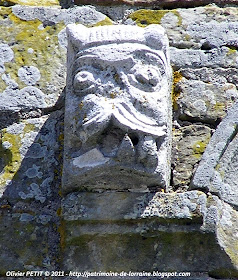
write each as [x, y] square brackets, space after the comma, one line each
[115, 146]
[125, 117]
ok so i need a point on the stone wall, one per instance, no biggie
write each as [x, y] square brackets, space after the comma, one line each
[190, 226]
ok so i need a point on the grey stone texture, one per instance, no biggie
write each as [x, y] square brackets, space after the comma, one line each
[193, 225]
[32, 81]
[189, 143]
[217, 170]
[165, 228]
[118, 108]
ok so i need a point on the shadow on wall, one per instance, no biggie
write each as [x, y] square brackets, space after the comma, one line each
[30, 201]
[137, 238]
[30, 223]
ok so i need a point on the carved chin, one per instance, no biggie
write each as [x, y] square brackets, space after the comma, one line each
[120, 160]
[95, 171]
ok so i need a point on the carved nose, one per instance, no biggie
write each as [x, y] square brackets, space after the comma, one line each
[126, 151]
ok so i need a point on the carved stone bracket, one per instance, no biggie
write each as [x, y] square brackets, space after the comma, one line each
[118, 108]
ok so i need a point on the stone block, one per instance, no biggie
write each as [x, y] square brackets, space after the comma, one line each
[142, 231]
[218, 168]
[118, 108]
[26, 241]
[189, 143]
[86, 206]
[201, 28]
[177, 251]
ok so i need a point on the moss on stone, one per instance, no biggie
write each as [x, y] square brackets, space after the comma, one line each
[4, 12]
[6, 3]
[28, 128]
[219, 107]
[62, 232]
[106, 21]
[11, 157]
[199, 147]
[187, 37]
[33, 45]
[30, 2]
[231, 50]
[224, 273]
[145, 17]
[177, 77]
[180, 19]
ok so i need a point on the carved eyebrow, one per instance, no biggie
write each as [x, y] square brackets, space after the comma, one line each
[91, 60]
[92, 57]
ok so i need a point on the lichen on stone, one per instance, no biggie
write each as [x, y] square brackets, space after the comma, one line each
[11, 157]
[145, 17]
[200, 146]
[106, 21]
[175, 89]
[35, 46]
[231, 50]
[30, 2]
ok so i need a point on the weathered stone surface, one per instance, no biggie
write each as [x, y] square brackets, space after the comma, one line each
[22, 145]
[200, 37]
[30, 2]
[22, 73]
[163, 251]
[32, 59]
[205, 94]
[191, 230]
[222, 218]
[32, 79]
[130, 206]
[29, 170]
[28, 241]
[50, 16]
[198, 58]
[227, 232]
[217, 170]
[203, 49]
[156, 3]
[204, 101]
[156, 225]
[118, 108]
[189, 143]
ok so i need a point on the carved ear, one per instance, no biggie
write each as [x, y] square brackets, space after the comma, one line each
[155, 37]
[77, 34]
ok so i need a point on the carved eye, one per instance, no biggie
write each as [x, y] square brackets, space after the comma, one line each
[148, 76]
[84, 81]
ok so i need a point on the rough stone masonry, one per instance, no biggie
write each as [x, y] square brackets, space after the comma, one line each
[187, 223]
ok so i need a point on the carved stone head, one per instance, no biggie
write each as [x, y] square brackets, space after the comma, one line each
[118, 108]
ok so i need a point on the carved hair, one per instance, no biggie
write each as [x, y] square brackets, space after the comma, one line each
[153, 36]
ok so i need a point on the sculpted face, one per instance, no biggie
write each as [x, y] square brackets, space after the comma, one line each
[118, 111]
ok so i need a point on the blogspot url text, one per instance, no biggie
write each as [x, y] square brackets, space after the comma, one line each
[87, 274]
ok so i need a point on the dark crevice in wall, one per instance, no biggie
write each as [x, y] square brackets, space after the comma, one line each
[195, 120]
[7, 118]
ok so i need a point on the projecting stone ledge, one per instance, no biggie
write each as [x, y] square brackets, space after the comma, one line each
[178, 231]
[157, 3]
